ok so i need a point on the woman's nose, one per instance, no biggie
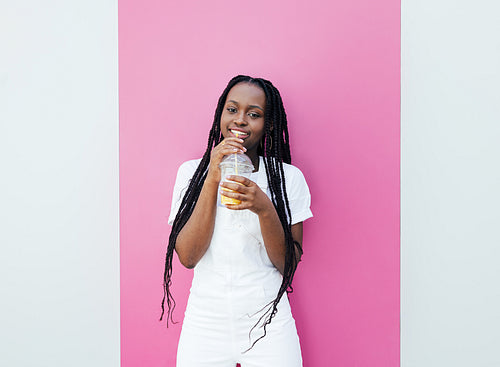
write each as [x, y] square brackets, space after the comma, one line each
[240, 119]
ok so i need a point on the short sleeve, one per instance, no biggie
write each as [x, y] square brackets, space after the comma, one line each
[184, 175]
[298, 194]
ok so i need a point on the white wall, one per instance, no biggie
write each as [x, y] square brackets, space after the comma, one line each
[59, 213]
[450, 295]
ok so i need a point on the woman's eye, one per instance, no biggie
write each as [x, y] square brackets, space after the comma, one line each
[231, 109]
[254, 115]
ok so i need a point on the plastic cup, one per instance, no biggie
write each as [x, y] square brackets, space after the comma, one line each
[234, 165]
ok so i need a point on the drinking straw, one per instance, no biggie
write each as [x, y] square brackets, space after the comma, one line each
[236, 159]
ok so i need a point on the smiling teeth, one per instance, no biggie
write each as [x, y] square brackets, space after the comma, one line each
[238, 133]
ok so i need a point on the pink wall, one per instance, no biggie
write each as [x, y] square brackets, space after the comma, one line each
[336, 64]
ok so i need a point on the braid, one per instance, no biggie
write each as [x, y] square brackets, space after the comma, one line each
[276, 151]
[190, 199]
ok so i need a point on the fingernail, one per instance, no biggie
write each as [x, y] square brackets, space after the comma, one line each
[235, 149]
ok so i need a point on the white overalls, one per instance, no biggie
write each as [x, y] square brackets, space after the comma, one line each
[233, 283]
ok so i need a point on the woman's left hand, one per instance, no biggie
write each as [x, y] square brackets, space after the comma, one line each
[248, 192]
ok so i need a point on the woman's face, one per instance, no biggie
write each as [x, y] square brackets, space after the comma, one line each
[243, 114]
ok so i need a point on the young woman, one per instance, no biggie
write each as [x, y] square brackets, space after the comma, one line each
[244, 255]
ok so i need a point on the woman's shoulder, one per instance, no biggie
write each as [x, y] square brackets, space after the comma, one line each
[190, 165]
[287, 167]
[292, 172]
[294, 180]
[299, 196]
[187, 169]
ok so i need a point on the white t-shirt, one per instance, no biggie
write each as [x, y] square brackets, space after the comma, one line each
[299, 197]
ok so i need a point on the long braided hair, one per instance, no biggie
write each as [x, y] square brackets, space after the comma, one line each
[275, 149]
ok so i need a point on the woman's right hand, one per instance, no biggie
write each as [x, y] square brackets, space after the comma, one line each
[229, 145]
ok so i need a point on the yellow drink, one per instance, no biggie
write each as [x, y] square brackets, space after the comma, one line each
[226, 200]
[237, 164]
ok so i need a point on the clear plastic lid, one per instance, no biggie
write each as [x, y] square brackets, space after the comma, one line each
[237, 159]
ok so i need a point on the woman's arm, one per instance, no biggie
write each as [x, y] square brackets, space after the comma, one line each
[274, 238]
[194, 238]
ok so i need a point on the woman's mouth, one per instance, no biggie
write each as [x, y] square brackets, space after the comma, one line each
[238, 133]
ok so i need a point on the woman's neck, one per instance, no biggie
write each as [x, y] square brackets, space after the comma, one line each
[254, 158]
